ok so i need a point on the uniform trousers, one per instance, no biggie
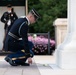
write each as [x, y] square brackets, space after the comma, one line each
[17, 47]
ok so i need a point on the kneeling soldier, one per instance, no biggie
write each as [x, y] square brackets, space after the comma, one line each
[22, 49]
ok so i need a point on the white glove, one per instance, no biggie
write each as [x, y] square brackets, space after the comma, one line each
[9, 22]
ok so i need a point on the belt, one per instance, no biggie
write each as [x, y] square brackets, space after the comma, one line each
[13, 35]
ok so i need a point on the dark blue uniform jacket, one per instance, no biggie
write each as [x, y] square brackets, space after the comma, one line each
[19, 29]
[6, 16]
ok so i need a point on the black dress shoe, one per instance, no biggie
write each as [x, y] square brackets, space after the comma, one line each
[10, 61]
[23, 64]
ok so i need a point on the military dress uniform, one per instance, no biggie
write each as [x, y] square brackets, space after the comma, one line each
[8, 19]
[22, 48]
[8, 16]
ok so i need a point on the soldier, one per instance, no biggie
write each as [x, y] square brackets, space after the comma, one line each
[22, 48]
[8, 19]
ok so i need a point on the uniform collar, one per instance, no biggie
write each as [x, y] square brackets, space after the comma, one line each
[28, 21]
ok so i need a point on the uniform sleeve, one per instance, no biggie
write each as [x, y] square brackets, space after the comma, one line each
[23, 33]
[3, 18]
[15, 16]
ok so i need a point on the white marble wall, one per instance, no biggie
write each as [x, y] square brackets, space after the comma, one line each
[20, 11]
[60, 25]
[66, 51]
